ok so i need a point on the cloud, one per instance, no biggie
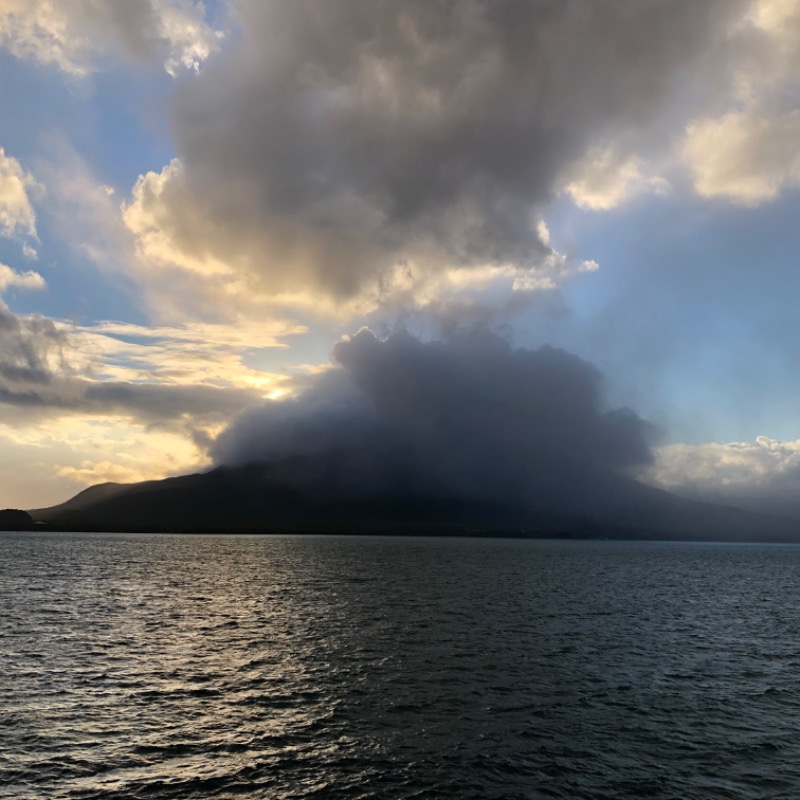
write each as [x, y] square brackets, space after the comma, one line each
[469, 415]
[88, 217]
[190, 354]
[72, 34]
[190, 377]
[352, 140]
[40, 31]
[22, 280]
[70, 452]
[215, 286]
[750, 152]
[84, 211]
[118, 401]
[779, 22]
[17, 217]
[31, 351]
[607, 177]
[763, 475]
[746, 157]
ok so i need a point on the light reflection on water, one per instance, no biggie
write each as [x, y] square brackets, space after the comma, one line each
[136, 666]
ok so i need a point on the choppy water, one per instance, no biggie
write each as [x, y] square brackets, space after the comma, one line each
[237, 667]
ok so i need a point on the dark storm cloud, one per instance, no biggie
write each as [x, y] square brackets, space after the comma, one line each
[342, 136]
[468, 415]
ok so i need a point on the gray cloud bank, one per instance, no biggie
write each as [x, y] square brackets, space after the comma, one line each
[470, 416]
[348, 137]
[30, 347]
[36, 375]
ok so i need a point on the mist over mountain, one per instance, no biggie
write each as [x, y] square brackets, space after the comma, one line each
[468, 415]
[400, 435]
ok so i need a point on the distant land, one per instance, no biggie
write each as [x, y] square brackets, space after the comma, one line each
[271, 499]
[13, 519]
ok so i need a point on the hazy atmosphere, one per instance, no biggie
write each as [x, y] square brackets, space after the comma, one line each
[462, 243]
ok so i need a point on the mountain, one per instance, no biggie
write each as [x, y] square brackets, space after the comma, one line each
[313, 494]
[12, 519]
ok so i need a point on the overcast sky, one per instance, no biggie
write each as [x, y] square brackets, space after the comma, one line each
[202, 204]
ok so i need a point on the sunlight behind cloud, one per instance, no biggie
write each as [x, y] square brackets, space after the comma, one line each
[86, 451]
[750, 153]
[327, 165]
[193, 354]
[745, 157]
[607, 177]
[172, 237]
[417, 135]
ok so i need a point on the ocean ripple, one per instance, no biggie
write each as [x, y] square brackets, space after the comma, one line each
[146, 666]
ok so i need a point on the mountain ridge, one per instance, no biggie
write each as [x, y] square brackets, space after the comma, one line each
[272, 498]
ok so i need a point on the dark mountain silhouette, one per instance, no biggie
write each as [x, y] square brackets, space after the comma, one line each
[307, 494]
[12, 519]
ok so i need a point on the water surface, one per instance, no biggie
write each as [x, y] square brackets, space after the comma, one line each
[146, 666]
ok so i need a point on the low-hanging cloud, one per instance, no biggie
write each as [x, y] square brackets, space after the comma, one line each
[468, 416]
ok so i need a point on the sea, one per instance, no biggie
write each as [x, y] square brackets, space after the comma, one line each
[178, 666]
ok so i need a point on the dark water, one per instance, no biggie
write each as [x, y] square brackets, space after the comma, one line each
[225, 667]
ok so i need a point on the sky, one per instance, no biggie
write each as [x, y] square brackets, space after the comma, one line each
[219, 218]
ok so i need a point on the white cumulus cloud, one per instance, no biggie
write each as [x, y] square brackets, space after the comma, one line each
[22, 280]
[17, 217]
[746, 157]
[608, 177]
[72, 34]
